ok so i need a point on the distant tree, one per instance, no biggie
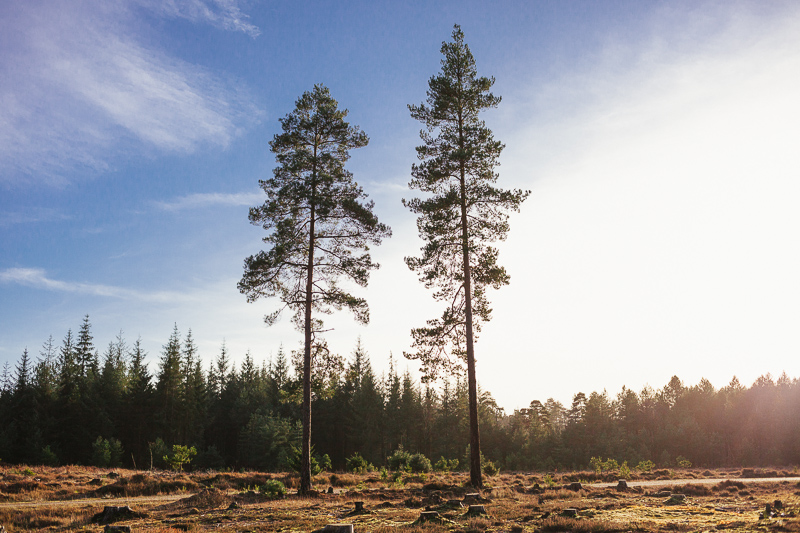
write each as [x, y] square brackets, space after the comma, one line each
[138, 428]
[24, 413]
[85, 352]
[169, 404]
[193, 393]
[320, 229]
[462, 212]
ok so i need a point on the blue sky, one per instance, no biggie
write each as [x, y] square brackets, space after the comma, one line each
[658, 140]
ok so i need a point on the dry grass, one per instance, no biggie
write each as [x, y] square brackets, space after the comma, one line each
[512, 505]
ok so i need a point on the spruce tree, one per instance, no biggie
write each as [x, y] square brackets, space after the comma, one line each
[462, 212]
[169, 403]
[138, 428]
[320, 230]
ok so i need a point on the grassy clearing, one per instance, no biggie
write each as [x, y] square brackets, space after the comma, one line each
[514, 503]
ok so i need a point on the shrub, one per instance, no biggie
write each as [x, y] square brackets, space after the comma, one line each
[106, 453]
[181, 455]
[488, 466]
[624, 470]
[399, 459]
[358, 465]
[325, 463]
[597, 464]
[683, 462]
[419, 463]
[645, 466]
[273, 489]
[445, 465]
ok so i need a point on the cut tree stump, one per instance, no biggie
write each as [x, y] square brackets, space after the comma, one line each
[429, 516]
[338, 528]
[569, 512]
[113, 513]
[117, 529]
[359, 507]
[476, 510]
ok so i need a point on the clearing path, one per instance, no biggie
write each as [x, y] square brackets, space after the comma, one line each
[91, 502]
[692, 481]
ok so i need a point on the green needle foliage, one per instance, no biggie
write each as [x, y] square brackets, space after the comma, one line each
[462, 212]
[320, 229]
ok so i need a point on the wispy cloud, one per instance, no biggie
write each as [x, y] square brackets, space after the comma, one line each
[38, 279]
[202, 200]
[224, 14]
[31, 215]
[77, 87]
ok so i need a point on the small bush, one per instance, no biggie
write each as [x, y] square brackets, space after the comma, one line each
[419, 463]
[446, 465]
[683, 462]
[399, 459]
[325, 463]
[624, 470]
[358, 465]
[106, 452]
[645, 466]
[488, 467]
[181, 455]
[273, 489]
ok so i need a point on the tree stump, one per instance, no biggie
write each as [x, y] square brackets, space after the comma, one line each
[454, 503]
[472, 497]
[675, 499]
[113, 513]
[338, 528]
[429, 516]
[359, 507]
[574, 486]
[476, 510]
[622, 485]
[570, 512]
[117, 529]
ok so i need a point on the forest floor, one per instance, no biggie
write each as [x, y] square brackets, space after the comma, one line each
[67, 499]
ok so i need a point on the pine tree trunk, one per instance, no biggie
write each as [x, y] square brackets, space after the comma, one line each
[475, 474]
[305, 465]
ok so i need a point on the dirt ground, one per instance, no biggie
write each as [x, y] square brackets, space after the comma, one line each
[68, 498]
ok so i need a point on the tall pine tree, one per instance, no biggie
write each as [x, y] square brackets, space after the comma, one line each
[320, 230]
[462, 212]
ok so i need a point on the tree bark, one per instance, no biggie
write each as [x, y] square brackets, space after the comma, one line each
[305, 465]
[475, 471]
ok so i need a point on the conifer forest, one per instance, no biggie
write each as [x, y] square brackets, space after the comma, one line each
[72, 403]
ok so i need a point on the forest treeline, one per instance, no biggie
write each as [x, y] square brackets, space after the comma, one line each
[71, 404]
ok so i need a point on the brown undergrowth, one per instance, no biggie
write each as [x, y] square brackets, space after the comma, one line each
[514, 502]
